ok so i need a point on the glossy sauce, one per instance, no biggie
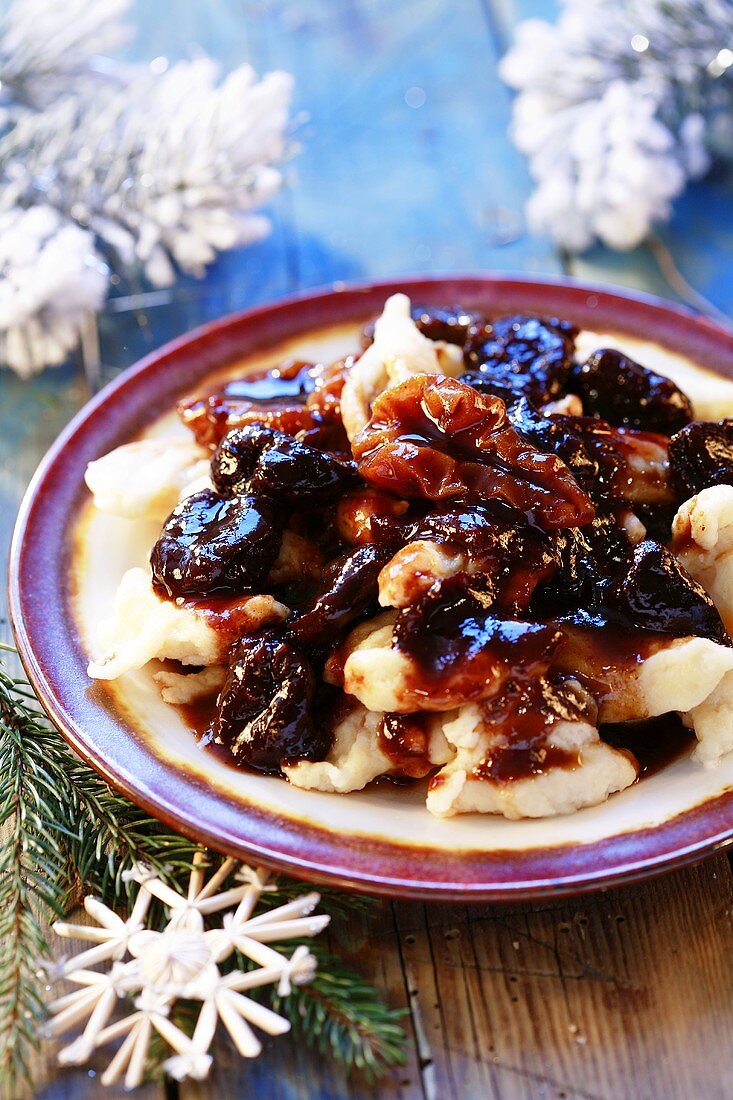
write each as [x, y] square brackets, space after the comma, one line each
[198, 717]
[275, 397]
[524, 758]
[523, 716]
[405, 739]
[216, 545]
[597, 655]
[458, 646]
[654, 744]
[231, 615]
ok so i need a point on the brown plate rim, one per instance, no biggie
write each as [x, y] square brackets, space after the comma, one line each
[40, 612]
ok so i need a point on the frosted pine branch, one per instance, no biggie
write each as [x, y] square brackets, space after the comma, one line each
[51, 281]
[154, 171]
[164, 171]
[618, 107]
[47, 47]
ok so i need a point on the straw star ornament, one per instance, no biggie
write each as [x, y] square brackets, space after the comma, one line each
[151, 970]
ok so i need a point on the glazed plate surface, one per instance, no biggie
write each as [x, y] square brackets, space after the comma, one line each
[67, 559]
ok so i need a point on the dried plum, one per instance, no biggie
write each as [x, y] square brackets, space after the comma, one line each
[521, 357]
[210, 545]
[701, 455]
[261, 460]
[436, 438]
[587, 558]
[451, 324]
[301, 475]
[349, 589]
[625, 394]
[658, 594]
[234, 460]
[501, 546]
[263, 713]
[612, 464]
[591, 459]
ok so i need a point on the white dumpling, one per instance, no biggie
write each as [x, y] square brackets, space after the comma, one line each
[145, 480]
[692, 677]
[143, 626]
[355, 758]
[414, 568]
[180, 688]
[398, 351]
[373, 672]
[601, 770]
[702, 539]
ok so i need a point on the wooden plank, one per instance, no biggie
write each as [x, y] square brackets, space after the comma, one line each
[616, 995]
[368, 944]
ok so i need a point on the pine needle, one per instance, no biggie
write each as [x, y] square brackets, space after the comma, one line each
[67, 834]
[342, 1016]
[33, 880]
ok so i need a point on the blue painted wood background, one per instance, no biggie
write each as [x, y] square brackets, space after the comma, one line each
[405, 166]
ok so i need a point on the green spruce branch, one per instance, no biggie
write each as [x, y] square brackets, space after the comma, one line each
[344, 1017]
[65, 834]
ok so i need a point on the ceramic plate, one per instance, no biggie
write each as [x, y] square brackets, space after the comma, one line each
[67, 558]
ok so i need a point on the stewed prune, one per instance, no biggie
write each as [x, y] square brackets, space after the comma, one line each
[701, 455]
[437, 438]
[301, 475]
[211, 544]
[349, 588]
[612, 464]
[587, 559]
[261, 460]
[626, 394]
[235, 459]
[658, 594]
[510, 554]
[263, 713]
[452, 325]
[592, 461]
[459, 645]
[521, 356]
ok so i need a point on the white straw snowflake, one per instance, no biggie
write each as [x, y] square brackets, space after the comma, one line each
[151, 970]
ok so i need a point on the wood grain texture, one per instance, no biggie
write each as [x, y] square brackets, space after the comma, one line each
[406, 166]
[623, 994]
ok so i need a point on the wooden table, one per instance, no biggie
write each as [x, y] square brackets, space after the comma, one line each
[406, 167]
